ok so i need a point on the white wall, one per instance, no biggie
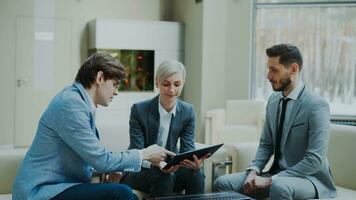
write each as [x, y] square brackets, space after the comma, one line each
[78, 12]
[191, 14]
[217, 52]
[239, 36]
[214, 55]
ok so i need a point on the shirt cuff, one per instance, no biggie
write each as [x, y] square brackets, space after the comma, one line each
[134, 165]
[146, 164]
[254, 168]
[140, 154]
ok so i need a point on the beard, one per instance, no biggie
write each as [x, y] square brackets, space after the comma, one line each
[284, 84]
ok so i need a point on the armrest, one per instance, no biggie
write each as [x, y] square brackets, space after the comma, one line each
[10, 161]
[242, 155]
[213, 120]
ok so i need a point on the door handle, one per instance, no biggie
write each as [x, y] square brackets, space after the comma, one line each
[21, 82]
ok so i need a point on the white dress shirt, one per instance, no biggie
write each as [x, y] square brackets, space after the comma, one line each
[164, 124]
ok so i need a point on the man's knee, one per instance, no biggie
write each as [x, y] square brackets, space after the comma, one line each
[280, 188]
[230, 182]
[222, 184]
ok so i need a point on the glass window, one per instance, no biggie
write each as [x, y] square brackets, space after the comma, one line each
[301, 1]
[326, 36]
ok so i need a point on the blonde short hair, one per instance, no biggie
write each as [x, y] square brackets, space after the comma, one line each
[169, 67]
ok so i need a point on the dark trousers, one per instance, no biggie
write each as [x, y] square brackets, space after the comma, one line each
[157, 183]
[97, 191]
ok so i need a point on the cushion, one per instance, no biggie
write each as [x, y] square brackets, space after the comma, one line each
[244, 111]
[5, 197]
[238, 133]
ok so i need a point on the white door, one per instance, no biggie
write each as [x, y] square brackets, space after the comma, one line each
[43, 68]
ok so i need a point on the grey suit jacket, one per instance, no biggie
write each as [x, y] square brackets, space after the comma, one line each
[144, 126]
[305, 145]
[66, 149]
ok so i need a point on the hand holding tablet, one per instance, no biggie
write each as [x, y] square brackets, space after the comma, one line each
[200, 153]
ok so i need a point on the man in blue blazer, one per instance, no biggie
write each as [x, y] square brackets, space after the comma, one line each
[165, 120]
[296, 132]
[66, 148]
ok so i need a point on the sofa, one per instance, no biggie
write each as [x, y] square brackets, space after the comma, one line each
[10, 160]
[239, 121]
[341, 150]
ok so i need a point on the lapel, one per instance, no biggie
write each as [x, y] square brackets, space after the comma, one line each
[294, 112]
[172, 133]
[153, 121]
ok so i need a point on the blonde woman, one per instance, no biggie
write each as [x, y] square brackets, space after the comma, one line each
[162, 121]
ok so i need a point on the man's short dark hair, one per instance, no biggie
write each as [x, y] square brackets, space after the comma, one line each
[101, 61]
[287, 53]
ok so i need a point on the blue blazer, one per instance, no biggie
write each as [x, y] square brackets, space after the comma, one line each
[66, 149]
[305, 144]
[144, 126]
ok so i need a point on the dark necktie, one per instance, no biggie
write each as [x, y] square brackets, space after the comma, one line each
[277, 149]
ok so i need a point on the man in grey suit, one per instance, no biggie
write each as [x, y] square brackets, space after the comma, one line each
[162, 121]
[296, 132]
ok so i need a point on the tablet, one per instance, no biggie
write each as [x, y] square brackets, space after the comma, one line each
[189, 155]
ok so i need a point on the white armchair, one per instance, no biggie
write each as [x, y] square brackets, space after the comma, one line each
[240, 121]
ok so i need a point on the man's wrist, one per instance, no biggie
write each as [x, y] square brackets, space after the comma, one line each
[252, 171]
[143, 154]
